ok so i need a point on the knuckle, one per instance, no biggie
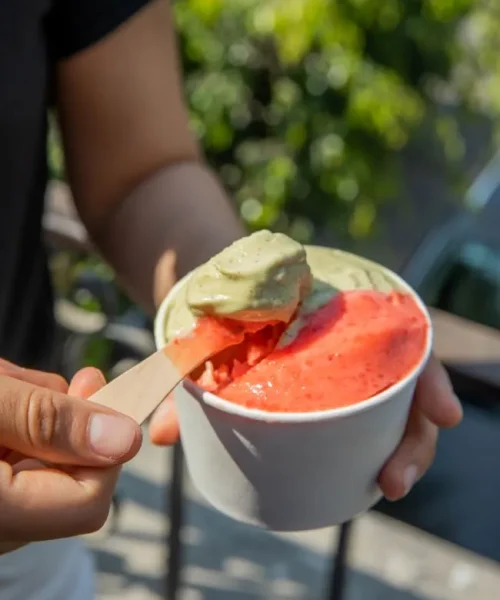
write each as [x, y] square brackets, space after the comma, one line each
[41, 417]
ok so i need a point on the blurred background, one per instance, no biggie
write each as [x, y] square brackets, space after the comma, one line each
[363, 124]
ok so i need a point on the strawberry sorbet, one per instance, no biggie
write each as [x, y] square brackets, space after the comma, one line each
[357, 345]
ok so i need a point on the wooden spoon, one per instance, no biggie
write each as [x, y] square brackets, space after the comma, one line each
[141, 389]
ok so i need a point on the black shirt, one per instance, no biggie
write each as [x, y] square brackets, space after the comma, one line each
[34, 34]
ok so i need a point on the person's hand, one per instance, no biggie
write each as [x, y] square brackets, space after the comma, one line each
[59, 455]
[435, 406]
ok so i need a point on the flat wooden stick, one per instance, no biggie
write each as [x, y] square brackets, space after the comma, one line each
[137, 392]
[140, 390]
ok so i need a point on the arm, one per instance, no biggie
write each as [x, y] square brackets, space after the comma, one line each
[150, 204]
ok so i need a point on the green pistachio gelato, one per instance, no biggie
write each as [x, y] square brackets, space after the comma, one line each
[268, 276]
[262, 277]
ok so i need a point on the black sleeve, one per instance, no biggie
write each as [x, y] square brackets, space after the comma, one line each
[74, 25]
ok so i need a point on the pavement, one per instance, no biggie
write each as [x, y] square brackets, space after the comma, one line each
[226, 560]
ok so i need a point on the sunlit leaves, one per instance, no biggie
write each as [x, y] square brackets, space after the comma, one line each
[449, 134]
[55, 157]
[381, 102]
[447, 10]
[302, 105]
[363, 218]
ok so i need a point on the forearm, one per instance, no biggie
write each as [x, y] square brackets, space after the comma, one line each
[171, 223]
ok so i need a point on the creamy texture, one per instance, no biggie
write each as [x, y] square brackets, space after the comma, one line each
[261, 277]
[254, 295]
[357, 345]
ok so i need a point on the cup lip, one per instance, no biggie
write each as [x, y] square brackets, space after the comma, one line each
[303, 417]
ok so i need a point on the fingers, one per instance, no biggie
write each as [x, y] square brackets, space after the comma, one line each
[164, 427]
[86, 382]
[61, 429]
[49, 380]
[412, 458]
[435, 397]
[435, 405]
[39, 503]
[91, 378]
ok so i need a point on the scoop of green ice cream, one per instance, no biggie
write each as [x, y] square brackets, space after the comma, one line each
[261, 277]
[267, 276]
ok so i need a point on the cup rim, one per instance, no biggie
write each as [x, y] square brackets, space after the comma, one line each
[302, 417]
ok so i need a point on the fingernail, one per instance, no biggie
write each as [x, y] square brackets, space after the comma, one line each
[410, 477]
[111, 436]
[99, 376]
[92, 375]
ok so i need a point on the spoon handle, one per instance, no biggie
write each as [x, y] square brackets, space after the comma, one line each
[137, 392]
[141, 389]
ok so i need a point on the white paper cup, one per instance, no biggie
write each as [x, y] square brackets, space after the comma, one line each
[291, 471]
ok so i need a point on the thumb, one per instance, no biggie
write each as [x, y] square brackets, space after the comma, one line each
[61, 429]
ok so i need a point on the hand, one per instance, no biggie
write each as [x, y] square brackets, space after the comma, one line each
[59, 455]
[435, 406]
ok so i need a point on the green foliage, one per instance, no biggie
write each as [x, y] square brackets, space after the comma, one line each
[302, 105]
[55, 157]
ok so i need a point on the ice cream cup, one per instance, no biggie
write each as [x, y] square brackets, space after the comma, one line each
[291, 471]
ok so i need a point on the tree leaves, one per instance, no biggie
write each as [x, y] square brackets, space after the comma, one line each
[331, 88]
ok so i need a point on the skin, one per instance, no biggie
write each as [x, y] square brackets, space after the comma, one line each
[35, 411]
[155, 211]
